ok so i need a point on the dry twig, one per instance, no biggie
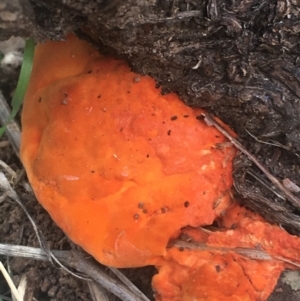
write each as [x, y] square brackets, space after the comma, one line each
[288, 194]
[76, 261]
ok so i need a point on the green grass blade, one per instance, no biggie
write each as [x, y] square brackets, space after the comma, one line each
[22, 82]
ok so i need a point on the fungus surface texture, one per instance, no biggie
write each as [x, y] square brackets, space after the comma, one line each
[124, 170]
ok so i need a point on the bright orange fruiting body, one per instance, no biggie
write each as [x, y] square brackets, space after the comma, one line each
[124, 170]
[120, 168]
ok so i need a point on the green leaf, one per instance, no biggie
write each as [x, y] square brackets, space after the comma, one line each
[22, 82]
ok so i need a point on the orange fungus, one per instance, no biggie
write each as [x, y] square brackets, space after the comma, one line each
[123, 169]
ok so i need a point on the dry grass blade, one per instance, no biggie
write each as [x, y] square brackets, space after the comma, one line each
[22, 286]
[9, 170]
[10, 283]
[12, 130]
[30, 252]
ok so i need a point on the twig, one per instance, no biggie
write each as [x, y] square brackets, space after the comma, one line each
[246, 252]
[30, 252]
[291, 197]
[175, 17]
[264, 183]
[277, 144]
[76, 261]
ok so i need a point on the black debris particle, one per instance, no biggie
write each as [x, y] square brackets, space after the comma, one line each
[174, 118]
[233, 226]
[169, 132]
[218, 268]
[186, 204]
